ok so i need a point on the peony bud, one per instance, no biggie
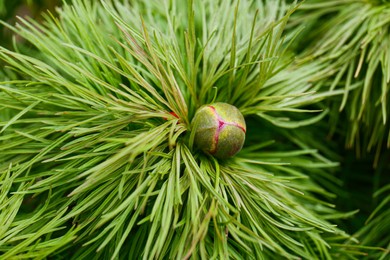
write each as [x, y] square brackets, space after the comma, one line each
[219, 130]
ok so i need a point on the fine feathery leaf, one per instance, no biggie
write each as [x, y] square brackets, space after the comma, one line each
[353, 37]
[96, 158]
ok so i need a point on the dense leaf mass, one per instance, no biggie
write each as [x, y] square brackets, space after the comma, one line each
[97, 154]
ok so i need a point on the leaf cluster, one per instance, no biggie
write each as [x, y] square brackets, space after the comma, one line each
[94, 164]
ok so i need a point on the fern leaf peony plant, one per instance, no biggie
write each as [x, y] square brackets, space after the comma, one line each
[98, 146]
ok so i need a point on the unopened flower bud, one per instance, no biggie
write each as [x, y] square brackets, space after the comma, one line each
[219, 130]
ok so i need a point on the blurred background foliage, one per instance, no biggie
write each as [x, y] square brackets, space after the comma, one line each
[10, 9]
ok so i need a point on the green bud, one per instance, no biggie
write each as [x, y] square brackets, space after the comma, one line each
[219, 130]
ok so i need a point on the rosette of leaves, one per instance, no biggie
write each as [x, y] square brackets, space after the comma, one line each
[95, 155]
[353, 37]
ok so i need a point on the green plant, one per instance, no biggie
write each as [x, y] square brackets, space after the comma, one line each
[353, 37]
[96, 155]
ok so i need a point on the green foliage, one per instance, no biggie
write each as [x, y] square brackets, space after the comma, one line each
[377, 226]
[10, 9]
[353, 37]
[94, 163]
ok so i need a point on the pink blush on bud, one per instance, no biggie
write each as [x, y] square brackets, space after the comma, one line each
[221, 130]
